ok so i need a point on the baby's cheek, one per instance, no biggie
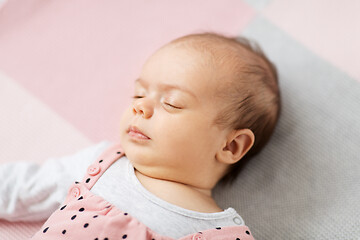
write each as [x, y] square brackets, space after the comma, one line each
[124, 119]
[183, 136]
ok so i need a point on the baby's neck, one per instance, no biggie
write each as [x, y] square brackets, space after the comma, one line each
[179, 194]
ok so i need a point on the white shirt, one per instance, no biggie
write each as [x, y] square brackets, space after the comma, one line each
[31, 192]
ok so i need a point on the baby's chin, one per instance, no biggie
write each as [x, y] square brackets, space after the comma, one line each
[138, 158]
[131, 149]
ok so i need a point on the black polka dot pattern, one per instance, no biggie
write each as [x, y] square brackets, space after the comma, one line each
[87, 215]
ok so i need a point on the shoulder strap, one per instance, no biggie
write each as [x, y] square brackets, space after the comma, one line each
[103, 162]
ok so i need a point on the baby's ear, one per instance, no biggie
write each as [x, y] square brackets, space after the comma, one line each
[237, 145]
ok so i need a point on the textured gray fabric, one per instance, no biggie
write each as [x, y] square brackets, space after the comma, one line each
[305, 184]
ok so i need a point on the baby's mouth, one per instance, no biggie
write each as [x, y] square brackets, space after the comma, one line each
[138, 135]
[135, 132]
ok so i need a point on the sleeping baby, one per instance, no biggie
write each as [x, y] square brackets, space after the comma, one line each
[204, 104]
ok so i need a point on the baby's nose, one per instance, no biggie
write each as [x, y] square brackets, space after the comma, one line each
[143, 107]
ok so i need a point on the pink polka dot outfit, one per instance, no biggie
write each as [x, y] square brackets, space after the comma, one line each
[84, 215]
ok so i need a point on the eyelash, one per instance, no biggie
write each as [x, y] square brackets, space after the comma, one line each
[137, 97]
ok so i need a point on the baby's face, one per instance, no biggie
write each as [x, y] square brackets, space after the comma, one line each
[175, 106]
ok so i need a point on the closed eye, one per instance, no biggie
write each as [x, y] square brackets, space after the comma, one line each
[172, 106]
[168, 104]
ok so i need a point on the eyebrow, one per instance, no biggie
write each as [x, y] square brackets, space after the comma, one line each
[167, 86]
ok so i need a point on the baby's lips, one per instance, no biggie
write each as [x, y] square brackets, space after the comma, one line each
[136, 130]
